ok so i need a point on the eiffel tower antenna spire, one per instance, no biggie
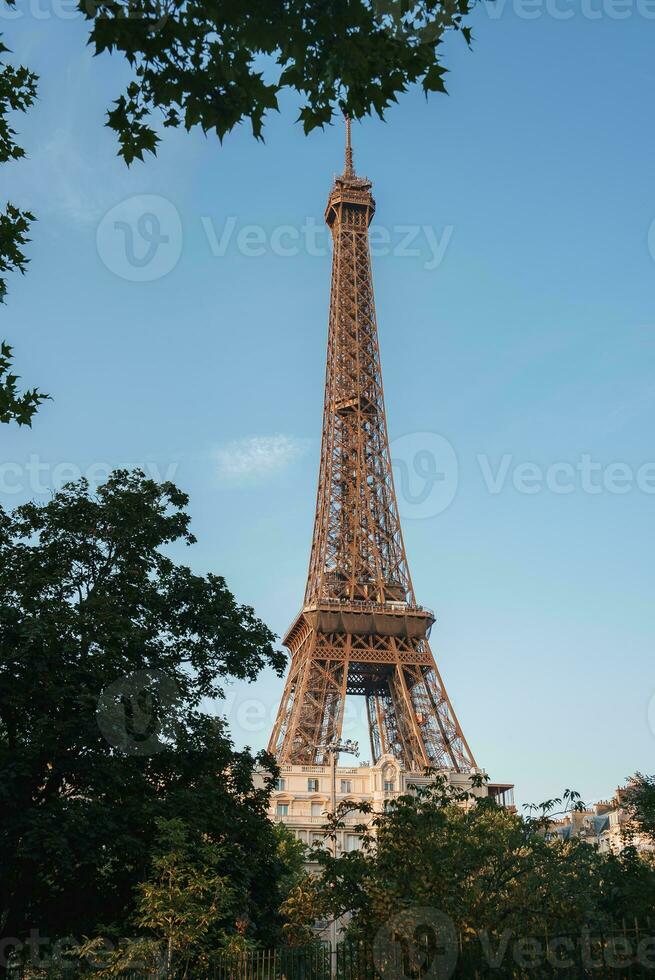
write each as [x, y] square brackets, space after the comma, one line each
[349, 170]
[360, 630]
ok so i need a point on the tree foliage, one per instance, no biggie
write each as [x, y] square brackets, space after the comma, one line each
[15, 406]
[639, 800]
[187, 895]
[213, 65]
[107, 649]
[184, 898]
[486, 868]
[17, 93]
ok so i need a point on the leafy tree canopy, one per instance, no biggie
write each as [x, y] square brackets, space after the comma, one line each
[17, 93]
[188, 909]
[107, 649]
[214, 65]
[639, 800]
[486, 868]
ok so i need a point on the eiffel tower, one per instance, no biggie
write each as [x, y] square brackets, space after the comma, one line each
[360, 630]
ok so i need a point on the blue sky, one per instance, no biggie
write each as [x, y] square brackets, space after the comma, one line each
[515, 293]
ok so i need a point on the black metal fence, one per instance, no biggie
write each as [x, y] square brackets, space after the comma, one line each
[284, 963]
[629, 952]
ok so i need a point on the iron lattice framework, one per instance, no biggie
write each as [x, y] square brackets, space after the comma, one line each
[360, 630]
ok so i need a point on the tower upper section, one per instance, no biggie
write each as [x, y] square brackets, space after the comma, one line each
[350, 195]
[358, 555]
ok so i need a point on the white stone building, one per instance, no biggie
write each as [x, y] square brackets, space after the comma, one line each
[606, 825]
[303, 795]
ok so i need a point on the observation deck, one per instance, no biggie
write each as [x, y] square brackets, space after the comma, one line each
[363, 617]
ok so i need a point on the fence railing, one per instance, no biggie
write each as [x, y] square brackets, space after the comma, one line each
[628, 952]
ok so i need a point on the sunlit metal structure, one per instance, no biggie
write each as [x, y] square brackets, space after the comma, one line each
[360, 630]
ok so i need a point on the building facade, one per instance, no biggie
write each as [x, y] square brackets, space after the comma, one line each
[606, 825]
[303, 795]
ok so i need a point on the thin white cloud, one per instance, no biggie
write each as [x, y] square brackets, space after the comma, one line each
[75, 192]
[62, 175]
[257, 457]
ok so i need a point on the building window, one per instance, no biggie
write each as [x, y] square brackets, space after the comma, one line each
[312, 785]
[353, 842]
[346, 786]
[388, 786]
[282, 810]
[317, 809]
[280, 783]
